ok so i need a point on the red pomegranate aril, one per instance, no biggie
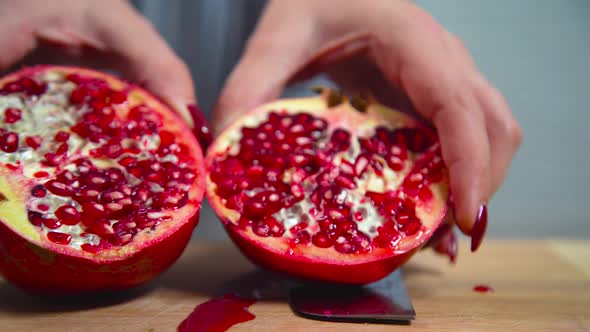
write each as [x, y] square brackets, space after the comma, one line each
[395, 163]
[33, 142]
[345, 182]
[12, 115]
[38, 191]
[358, 216]
[9, 142]
[35, 217]
[340, 140]
[62, 136]
[118, 97]
[51, 223]
[53, 159]
[59, 238]
[41, 174]
[78, 95]
[412, 227]
[261, 229]
[58, 188]
[62, 149]
[93, 210]
[377, 167]
[90, 248]
[361, 163]
[425, 194]
[303, 237]
[43, 207]
[68, 215]
[321, 240]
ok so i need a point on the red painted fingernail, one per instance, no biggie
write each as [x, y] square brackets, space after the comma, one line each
[202, 131]
[479, 227]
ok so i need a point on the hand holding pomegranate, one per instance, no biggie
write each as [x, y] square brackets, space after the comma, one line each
[384, 45]
[108, 34]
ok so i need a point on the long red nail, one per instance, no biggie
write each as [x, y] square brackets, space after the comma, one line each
[479, 227]
[202, 131]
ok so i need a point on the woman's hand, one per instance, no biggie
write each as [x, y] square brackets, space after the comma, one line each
[384, 45]
[103, 33]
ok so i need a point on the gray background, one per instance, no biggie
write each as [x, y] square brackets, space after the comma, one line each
[535, 51]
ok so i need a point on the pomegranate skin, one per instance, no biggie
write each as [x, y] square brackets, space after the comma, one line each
[39, 270]
[306, 260]
[40, 266]
[333, 272]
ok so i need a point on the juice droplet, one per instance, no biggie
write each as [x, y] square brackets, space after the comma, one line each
[218, 315]
[483, 289]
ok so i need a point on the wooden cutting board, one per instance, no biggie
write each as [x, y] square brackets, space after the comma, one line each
[539, 286]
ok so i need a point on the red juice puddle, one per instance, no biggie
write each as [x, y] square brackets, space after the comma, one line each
[218, 314]
[483, 289]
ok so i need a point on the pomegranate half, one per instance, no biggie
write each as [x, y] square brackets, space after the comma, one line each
[100, 182]
[328, 188]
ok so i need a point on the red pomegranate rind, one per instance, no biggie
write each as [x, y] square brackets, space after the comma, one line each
[104, 180]
[328, 193]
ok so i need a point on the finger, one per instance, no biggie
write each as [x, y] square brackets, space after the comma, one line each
[277, 50]
[143, 56]
[503, 130]
[433, 80]
[16, 41]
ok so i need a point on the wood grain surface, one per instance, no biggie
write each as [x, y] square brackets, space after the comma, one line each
[539, 286]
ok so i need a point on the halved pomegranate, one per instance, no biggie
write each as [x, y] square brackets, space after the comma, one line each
[328, 188]
[100, 182]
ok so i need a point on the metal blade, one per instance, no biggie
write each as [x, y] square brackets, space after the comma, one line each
[385, 301]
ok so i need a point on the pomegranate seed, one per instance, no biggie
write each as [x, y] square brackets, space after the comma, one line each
[79, 95]
[35, 217]
[58, 188]
[340, 140]
[33, 141]
[90, 248]
[41, 174]
[93, 210]
[358, 216]
[166, 138]
[361, 163]
[412, 228]
[425, 194]
[51, 223]
[321, 240]
[118, 97]
[38, 191]
[303, 237]
[59, 238]
[62, 136]
[345, 182]
[12, 115]
[68, 215]
[43, 207]
[395, 163]
[9, 142]
[261, 229]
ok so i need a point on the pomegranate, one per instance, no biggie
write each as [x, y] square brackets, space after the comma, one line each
[328, 188]
[100, 182]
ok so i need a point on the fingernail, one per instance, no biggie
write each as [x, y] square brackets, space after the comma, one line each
[479, 227]
[202, 130]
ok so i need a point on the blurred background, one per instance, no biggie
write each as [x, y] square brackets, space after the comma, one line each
[535, 51]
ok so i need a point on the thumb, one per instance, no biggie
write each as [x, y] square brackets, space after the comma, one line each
[275, 52]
